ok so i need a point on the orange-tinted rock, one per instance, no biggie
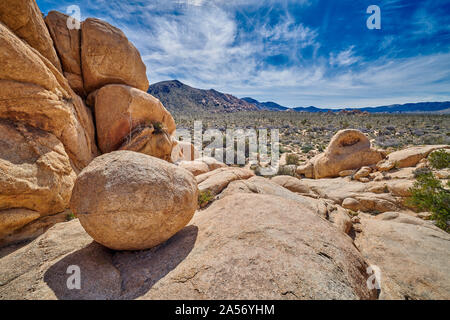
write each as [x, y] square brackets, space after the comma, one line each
[42, 98]
[120, 109]
[107, 57]
[24, 18]
[67, 43]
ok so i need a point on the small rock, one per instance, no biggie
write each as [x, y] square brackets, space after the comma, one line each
[361, 173]
[346, 173]
[356, 219]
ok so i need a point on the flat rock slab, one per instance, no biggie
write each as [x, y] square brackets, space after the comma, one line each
[244, 246]
[412, 254]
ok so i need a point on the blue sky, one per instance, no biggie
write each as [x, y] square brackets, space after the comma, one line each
[293, 52]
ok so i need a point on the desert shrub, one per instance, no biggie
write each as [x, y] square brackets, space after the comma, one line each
[307, 148]
[283, 149]
[292, 158]
[439, 159]
[70, 216]
[288, 170]
[159, 127]
[421, 171]
[204, 198]
[429, 194]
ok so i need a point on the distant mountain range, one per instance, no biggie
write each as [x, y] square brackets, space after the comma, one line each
[271, 106]
[177, 96]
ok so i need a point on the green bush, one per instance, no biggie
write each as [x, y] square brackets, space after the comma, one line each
[428, 194]
[440, 159]
[307, 148]
[159, 127]
[70, 216]
[204, 198]
[292, 158]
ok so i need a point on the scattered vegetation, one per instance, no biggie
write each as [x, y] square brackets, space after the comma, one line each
[429, 194]
[159, 127]
[292, 158]
[70, 216]
[301, 132]
[439, 159]
[204, 198]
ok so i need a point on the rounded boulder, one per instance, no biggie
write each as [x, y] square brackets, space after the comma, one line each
[131, 201]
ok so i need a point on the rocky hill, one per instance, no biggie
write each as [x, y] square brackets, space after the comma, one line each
[180, 97]
[270, 106]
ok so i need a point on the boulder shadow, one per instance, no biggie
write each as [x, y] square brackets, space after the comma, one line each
[106, 274]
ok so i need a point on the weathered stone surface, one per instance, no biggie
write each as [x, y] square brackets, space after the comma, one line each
[24, 18]
[212, 163]
[340, 219]
[412, 254]
[346, 173]
[362, 173]
[125, 118]
[194, 167]
[22, 230]
[369, 203]
[338, 189]
[295, 185]
[217, 180]
[150, 141]
[307, 170]
[107, 57]
[242, 247]
[408, 157]
[348, 149]
[130, 201]
[36, 176]
[25, 268]
[42, 98]
[262, 185]
[184, 151]
[67, 43]
[13, 219]
[276, 255]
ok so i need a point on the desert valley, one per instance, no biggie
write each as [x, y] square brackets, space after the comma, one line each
[94, 181]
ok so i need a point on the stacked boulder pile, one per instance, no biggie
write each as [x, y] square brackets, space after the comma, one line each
[62, 90]
[349, 154]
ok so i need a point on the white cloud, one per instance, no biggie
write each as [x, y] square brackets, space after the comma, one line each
[202, 45]
[344, 58]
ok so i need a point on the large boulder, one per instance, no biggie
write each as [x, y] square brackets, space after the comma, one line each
[126, 118]
[107, 57]
[24, 18]
[412, 255]
[42, 98]
[348, 149]
[130, 201]
[67, 43]
[36, 177]
[409, 157]
[244, 246]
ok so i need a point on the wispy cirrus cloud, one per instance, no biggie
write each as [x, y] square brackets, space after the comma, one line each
[316, 52]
